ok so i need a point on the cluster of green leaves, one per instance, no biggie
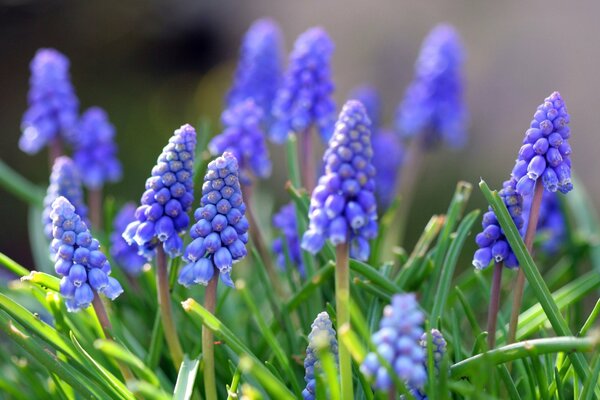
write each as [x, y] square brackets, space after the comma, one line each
[261, 336]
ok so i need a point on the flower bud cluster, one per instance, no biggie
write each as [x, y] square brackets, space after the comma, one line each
[322, 336]
[220, 233]
[126, 255]
[84, 268]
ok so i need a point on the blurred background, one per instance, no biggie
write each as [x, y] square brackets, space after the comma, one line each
[154, 65]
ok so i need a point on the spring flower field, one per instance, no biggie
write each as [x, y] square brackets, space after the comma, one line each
[197, 289]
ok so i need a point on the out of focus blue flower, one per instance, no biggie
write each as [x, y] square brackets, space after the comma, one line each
[388, 152]
[168, 198]
[244, 138]
[78, 259]
[439, 349]
[305, 97]
[434, 105]
[551, 223]
[220, 233]
[342, 207]
[53, 105]
[492, 243]
[546, 152]
[64, 181]
[285, 221]
[258, 73]
[126, 255]
[398, 342]
[321, 336]
[95, 149]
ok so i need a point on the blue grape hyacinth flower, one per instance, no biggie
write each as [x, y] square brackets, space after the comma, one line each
[83, 267]
[388, 152]
[244, 138]
[305, 97]
[492, 243]
[53, 105]
[95, 149]
[398, 342]
[546, 152]
[64, 181]
[551, 223]
[169, 195]
[220, 233]
[434, 105]
[439, 349]
[342, 207]
[259, 69]
[285, 221]
[126, 255]
[321, 336]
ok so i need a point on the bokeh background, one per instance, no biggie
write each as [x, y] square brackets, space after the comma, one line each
[154, 65]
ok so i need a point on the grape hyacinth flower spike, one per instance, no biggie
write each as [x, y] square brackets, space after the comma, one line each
[258, 73]
[64, 181]
[53, 105]
[244, 138]
[285, 221]
[388, 151]
[220, 233]
[168, 198]
[343, 207]
[434, 106]
[551, 223]
[305, 96]
[398, 342]
[439, 349]
[321, 336]
[95, 150]
[546, 152]
[84, 268]
[126, 255]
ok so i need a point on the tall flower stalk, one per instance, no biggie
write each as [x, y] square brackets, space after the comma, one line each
[343, 210]
[544, 163]
[219, 239]
[162, 217]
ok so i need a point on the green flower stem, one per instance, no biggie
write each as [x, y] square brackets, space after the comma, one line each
[164, 305]
[534, 214]
[259, 243]
[95, 203]
[307, 159]
[102, 316]
[342, 300]
[208, 343]
[472, 366]
[494, 304]
[16, 184]
[292, 161]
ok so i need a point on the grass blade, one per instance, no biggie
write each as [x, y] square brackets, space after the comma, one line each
[186, 378]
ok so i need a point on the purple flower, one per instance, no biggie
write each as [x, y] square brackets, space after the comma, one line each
[243, 137]
[126, 255]
[343, 207]
[322, 335]
[492, 243]
[95, 149]
[258, 72]
[434, 105]
[305, 97]
[551, 223]
[168, 198]
[84, 268]
[439, 349]
[369, 97]
[285, 221]
[64, 181]
[398, 342]
[53, 105]
[220, 233]
[546, 152]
